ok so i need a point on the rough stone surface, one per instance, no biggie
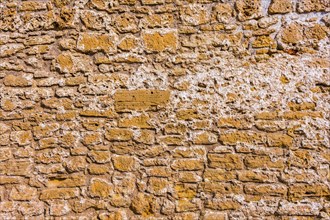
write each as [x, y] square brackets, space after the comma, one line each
[164, 109]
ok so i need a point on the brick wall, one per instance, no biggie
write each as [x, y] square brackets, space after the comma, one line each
[164, 109]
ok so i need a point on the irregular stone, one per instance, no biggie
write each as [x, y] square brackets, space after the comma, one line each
[91, 43]
[160, 40]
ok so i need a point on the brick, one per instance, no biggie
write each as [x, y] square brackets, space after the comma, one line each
[187, 164]
[225, 161]
[60, 193]
[124, 163]
[142, 121]
[145, 137]
[118, 134]
[158, 186]
[16, 81]
[23, 192]
[280, 6]
[312, 6]
[91, 43]
[100, 188]
[217, 204]
[73, 180]
[264, 162]
[266, 189]
[300, 191]
[142, 204]
[194, 14]
[160, 41]
[140, 99]
[218, 175]
[248, 9]
[204, 138]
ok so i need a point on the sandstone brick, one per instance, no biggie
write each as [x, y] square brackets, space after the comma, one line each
[73, 180]
[222, 12]
[128, 43]
[188, 191]
[189, 177]
[221, 188]
[145, 137]
[16, 81]
[158, 186]
[31, 208]
[217, 204]
[187, 164]
[32, 6]
[187, 114]
[59, 208]
[300, 191]
[71, 63]
[143, 204]
[98, 169]
[218, 175]
[264, 162]
[92, 138]
[140, 99]
[184, 205]
[21, 137]
[126, 23]
[194, 15]
[118, 134]
[74, 164]
[23, 192]
[100, 188]
[266, 189]
[255, 176]
[100, 156]
[91, 43]
[8, 105]
[4, 128]
[230, 122]
[191, 152]
[142, 121]
[92, 20]
[75, 81]
[5, 154]
[205, 138]
[312, 6]
[225, 161]
[160, 41]
[292, 33]
[264, 41]
[213, 215]
[152, 2]
[248, 9]
[175, 128]
[280, 6]
[59, 193]
[98, 114]
[124, 163]
[231, 138]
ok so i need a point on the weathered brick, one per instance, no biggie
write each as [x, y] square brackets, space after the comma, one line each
[280, 6]
[187, 164]
[225, 161]
[118, 134]
[16, 81]
[140, 99]
[100, 188]
[124, 163]
[160, 41]
[59, 193]
[88, 42]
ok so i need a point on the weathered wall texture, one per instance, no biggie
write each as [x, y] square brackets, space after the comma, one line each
[164, 109]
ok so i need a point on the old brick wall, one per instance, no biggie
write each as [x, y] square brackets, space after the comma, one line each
[164, 109]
